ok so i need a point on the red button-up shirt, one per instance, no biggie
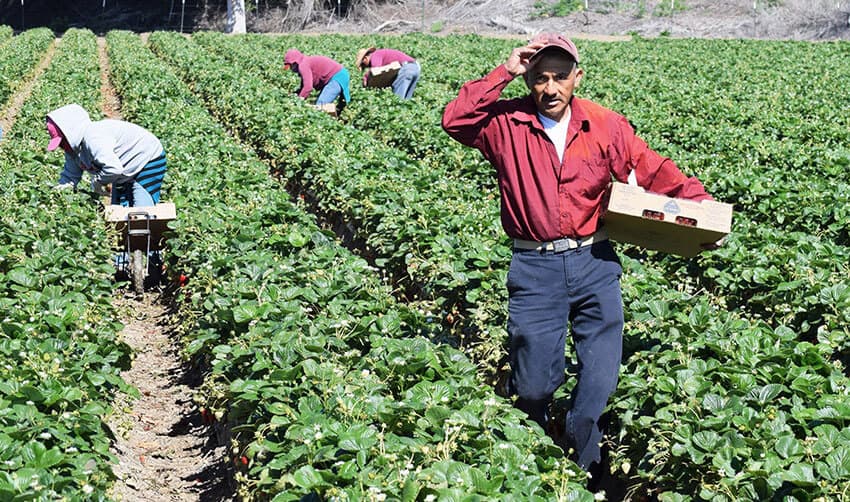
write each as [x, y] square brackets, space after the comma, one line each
[543, 198]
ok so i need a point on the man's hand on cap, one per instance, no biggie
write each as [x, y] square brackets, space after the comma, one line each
[517, 63]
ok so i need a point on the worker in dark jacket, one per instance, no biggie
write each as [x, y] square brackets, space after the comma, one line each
[555, 156]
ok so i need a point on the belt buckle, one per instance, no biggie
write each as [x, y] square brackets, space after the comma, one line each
[566, 244]
[558, 245]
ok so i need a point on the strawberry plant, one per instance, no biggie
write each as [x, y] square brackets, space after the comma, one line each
[329, 386]
[19, 57]
[61, 356]
[336, 375]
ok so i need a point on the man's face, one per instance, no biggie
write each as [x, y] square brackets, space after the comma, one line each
[552, 82]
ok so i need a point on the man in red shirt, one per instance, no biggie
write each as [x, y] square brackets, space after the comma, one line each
[555, 156]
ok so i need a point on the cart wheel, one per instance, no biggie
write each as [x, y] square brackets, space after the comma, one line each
[137, 266]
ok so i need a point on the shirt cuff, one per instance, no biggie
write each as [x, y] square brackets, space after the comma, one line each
[499, 75]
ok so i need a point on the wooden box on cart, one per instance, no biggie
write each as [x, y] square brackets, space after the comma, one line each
[157, 218]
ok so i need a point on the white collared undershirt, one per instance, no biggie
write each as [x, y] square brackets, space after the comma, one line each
[557, 131]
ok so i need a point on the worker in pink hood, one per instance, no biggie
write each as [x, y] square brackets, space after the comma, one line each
[322, 73]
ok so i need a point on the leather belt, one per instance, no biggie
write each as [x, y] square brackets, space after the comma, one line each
[562, 244]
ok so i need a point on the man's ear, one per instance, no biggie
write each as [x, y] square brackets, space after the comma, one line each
[579, 75]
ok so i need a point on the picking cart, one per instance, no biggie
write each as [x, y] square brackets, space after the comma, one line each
[141, 232]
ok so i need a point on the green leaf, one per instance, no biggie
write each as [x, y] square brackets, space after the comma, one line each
[96, 379]
[801, 475]
[307, 477]
[94, 408]
[838, 462]
[359, 437]
[705, 440]
[788, 446]
[245, 312]
[766, 393]
[23, 277]
[297, 238]
[713, 402]
[673, 497]
[410, 490]
[48, 459]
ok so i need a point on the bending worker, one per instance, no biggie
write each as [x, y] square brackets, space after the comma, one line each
[407, 77]
[554, 156]
[321, 73]
[114, 152]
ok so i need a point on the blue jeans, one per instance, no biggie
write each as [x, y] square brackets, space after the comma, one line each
[546, 292]
[145, 187]
[329, 93]
[405, 82]
[139, 197]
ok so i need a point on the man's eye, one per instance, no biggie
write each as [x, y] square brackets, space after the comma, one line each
[541, 79]
[562, 76]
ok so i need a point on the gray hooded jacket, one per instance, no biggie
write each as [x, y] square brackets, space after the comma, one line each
[112, 151]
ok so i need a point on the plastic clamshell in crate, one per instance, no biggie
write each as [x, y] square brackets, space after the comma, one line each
[382, 76]
[329, 108]
[662, 223]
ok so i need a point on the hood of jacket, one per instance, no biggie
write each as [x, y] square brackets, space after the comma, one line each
[72, 120]
[293, 56]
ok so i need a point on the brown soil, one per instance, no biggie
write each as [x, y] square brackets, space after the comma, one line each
[110, 103]
[762, 19]
[164, 452]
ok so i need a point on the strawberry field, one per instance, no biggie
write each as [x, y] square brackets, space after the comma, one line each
[346, 299]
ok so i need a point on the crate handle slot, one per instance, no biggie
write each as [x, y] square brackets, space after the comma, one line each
[653, 215]
[688, 222]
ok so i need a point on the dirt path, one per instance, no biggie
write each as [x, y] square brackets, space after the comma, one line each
[109, 101]
[164, 452]
[160, 442]
[10, 113]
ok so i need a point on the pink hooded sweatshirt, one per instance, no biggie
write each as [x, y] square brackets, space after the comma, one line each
[315, 71]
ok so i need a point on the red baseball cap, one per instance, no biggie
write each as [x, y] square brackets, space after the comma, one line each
[554, 40]
[55, 136]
